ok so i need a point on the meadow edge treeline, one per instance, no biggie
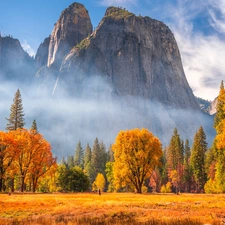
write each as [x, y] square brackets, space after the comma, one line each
[135, 162]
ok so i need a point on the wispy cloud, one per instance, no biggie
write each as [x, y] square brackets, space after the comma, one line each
[27, 48]
[201, 54]
[217, 13]
[124, 3]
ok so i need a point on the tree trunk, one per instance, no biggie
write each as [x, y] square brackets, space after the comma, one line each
[12, 187]
[22, 184]
[139, 189]
[1, 183]
[34, 181]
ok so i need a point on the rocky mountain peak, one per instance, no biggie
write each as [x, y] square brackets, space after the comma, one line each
[72, 27]
[117, 12]
[138, 56]
[15, 63]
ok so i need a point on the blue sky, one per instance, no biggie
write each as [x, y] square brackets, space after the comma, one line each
[198, 26]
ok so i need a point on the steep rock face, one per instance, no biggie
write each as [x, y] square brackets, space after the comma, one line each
[41, 57]
[138, 56]
[73, 26]
[212, 107]
[15, 63]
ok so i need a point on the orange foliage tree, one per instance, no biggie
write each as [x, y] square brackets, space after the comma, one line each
[43, 160]
[8, 153]
[25, 154]
[35, 157]
[137, 152]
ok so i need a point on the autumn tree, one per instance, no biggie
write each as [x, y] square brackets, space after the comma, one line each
[79, 156]
[110, 176]
[34, 156]
[220, 112]
[197, 160]
[220, 142]
[136, 154]
[8, 153]
[99, 183]
[16, 118]
[43, 161]
[216, 154]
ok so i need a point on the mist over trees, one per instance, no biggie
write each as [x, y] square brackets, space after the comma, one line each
[134, 162]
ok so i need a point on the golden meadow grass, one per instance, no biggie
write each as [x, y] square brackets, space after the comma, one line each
[116, 208]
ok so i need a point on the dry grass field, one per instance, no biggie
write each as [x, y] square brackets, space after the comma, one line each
[116, 208]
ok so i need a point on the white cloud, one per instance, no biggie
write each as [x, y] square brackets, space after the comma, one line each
[27, 48]
[217, 14]
[202, 55]
[123, 3]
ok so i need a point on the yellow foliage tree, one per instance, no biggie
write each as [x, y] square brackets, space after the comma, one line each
[220, 138]
[136, 152]
[99, 183]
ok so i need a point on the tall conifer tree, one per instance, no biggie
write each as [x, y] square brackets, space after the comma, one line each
[187, 167]
[79, 156]
[87, 155]
[175, 151]
[34, 126]
[16, 118]
[198, 155]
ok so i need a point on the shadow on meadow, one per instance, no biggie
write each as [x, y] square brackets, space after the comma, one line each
[72, 220]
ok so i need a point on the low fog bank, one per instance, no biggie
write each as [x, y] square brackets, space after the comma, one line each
[96, 111]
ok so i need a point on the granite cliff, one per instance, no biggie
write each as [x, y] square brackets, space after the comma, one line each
[138, 56]
[15, 63]
[126, 73]
[72, 27]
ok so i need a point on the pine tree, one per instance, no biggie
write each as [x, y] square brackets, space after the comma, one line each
[175, 151]
[87, 155]
[94, 157]
[16, 118]
[103, 157]
[99, 157]
[79, 156]
[175, 156]
[187, 152]
[70, 162]
[198, 155]
[34, 126]
[110, 154]
[187, 167]
[88, 168]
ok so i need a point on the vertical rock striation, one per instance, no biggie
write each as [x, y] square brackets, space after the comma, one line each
[72, 27]
[139, 56]
[41, 57]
